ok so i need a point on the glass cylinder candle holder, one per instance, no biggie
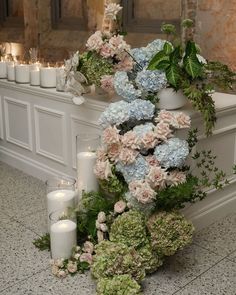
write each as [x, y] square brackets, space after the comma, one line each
[63, 233]
[3, 68]
[60, 195]
[86, 146]
[22, 73]
[48, 76]
[60, 76]
[11, 71]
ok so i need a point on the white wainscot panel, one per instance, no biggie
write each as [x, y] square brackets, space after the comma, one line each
[1, 120]
[18, 122]
[79, 125]
[50, 133]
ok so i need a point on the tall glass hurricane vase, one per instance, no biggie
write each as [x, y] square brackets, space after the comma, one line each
[87, 145]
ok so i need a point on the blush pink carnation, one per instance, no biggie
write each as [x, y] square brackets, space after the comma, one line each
[127, 155]
[88, 247]
[142, 191]
[126, 64]
[72, 267]
[163, 131]
[111, 135]
[106, 50]
[107, 83]
[95, 42]
[114, 152]
[130, 140]
[149, 140]
[176, 177]
[166, 117]
[152, 160]
[183, 121]
[157, 177]
[101, 154]
[102, 170]
[119, 207]
[86, 257]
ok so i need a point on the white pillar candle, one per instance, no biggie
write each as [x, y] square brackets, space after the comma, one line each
[11, 71]
[48, 77]
[61, 78]
[3, 69]
[87, 180]
[59, 200]
[22, 72]
[35, 77]
[62, 238]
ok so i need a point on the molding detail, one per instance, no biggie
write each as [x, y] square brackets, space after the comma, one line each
[53, 113]
[1, 120]
[79, 121]
[25, 105]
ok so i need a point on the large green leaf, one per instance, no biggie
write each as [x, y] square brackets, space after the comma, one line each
[163, 65]
[157, 59]
[173, 75]
[192, 66]
[167, 48]
[191, 48]
[176, 56]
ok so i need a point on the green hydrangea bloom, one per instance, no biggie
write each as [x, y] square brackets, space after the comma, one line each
[93, 66]
[129, 229]
[169, 232]
[151, 260]
[118, 285]
[116, 259]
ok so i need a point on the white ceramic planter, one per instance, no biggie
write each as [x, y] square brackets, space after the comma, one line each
[170, 99]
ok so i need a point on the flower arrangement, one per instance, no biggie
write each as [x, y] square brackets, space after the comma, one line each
[107, 51]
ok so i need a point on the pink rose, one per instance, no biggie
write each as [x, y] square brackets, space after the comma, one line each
[152, 160]
[62, 273]
[100, 236]
[149, 140]
[86, 257]
[72, 267]
[119, 46]
[103, 227]
[55, 270]
[183, 121]
[157, 177]
[142, 191]
[107, 83]
[127, 156]
[176, 177]
[101, 217]
[101, 154]
[114, 152]
[163, 131]
[95, 41]
[130, 140]
[59, 262]
[166, 117]
[126, 64]
[103, 169]
[111, 135]
[119, 207]
[88, 247]
[107, 51]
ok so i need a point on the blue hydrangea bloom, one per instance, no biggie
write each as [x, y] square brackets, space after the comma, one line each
[141, 109]
[142, 56]
[144, 208]
[115, 114]
[152, 81]
[135, 171]
[172, 153]
[156, 46]
[125, 88]
[141, 130]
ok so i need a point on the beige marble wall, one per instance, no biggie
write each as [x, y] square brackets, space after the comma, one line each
[216, 30]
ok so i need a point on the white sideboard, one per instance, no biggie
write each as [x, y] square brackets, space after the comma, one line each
[38, 128]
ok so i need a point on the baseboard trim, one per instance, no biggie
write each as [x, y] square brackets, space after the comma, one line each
[28, 165]
[217, 205]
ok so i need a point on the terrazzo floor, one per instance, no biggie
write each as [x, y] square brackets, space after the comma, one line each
[208, 266]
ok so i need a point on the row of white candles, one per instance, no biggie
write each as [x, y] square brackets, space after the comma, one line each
[63, 232]
[33, 74]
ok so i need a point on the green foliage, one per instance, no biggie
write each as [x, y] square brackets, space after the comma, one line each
[168, 29]
[119, 284]
[187, 23]
[177, 196]
[91, 204]
[169, 232]
[192, 138]
[43, 243]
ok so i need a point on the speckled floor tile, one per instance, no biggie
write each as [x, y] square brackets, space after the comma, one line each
[18, 255]
[37, 222]
[232, 256]
[179, 270]
[45, 283]
[220, 237]
[20, 194]
[219, 280]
